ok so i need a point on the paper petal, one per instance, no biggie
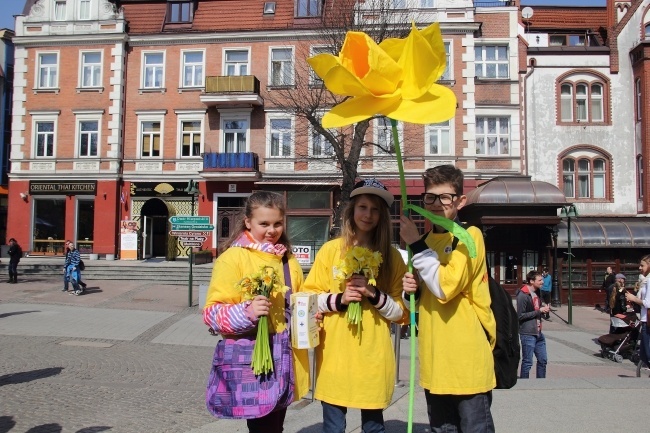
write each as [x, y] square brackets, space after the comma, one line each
[357, 109]
[434, 107]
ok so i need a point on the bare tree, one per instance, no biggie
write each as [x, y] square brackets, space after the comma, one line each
[308, 99]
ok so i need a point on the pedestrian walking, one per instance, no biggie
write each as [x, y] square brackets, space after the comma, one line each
[368, 379]
[530, 313]
[546, 291]
[15, 253]
[608, 282]
[457, 329]
[71, 271]
[643, 300]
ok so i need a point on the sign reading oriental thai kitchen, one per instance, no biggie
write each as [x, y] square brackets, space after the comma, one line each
[68, 188]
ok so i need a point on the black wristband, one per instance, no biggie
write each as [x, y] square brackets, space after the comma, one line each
[340, 306]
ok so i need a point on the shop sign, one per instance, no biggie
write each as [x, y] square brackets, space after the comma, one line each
[302, 254]
[158, 189]
[38, 187]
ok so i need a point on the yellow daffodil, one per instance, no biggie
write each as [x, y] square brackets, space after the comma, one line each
[396, 78]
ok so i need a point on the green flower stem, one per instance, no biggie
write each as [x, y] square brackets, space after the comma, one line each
[402, 186]
[354, 314]
[448, 225]
[262, 362]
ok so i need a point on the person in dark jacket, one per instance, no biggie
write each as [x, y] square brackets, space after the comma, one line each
[530, 313]
[15, 253]
[71, 271]
[608, 284]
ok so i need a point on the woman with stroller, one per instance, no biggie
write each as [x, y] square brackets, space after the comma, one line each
[643, 299]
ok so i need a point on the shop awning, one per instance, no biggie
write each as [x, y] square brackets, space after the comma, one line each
[605, 233]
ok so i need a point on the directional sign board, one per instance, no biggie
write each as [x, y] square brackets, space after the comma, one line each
[187, 219]
[193, 227]
[188, 233]
[185, 239]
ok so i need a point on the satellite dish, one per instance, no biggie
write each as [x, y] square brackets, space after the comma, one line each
[527, 12]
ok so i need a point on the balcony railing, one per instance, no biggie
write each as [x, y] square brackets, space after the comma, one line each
[493, 4]
[243, 161]
[232, 84]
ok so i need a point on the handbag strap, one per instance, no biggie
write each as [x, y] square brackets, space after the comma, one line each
[287, 296]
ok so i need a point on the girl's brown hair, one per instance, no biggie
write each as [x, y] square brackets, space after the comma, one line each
[381, 239]
[256, 200]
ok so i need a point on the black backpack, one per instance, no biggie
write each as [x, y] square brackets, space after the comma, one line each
[506, 351]
[81, 265]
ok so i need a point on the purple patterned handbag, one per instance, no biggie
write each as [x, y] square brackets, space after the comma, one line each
[234, 392]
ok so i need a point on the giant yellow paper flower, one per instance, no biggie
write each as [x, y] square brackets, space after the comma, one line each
[396, 78]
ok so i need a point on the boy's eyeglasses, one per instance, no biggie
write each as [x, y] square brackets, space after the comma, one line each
[445, 199]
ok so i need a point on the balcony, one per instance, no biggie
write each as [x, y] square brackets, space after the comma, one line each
[493, 4]
[237, 166]
[232, 91]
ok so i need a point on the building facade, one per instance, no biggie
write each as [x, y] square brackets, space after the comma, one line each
[6, 96]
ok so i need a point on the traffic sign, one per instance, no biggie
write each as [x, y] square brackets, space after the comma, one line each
[186, 239]
[187, 219]
[189, 233]
[193, 227]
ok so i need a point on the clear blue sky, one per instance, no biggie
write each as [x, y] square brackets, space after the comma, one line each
[9, 9]
[15, 7]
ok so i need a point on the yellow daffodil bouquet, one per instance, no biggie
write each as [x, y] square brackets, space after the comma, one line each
[362, 261]
[266, 282]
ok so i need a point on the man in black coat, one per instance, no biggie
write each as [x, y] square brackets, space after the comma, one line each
[15, 253]
[608, 283]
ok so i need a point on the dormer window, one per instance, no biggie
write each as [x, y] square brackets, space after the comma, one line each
[179, 12]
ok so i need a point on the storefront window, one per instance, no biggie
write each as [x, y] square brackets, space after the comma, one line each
[308, 200]
[310, 232]
[49, 226]
[85, 226]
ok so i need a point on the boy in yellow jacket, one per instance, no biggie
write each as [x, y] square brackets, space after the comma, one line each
[457, 330]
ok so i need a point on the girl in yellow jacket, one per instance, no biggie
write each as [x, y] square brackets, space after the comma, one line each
[357, 369]
[259, 240]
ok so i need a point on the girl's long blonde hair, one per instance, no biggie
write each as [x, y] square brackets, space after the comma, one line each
[381, 239]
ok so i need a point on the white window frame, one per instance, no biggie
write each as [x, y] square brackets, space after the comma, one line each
[83, 10]
[238, 65]
[193, 65]
[315, 80]
[229, 115]
[481, 65]
[155, 67]
[44, 118]
[270, 117]
[498, 135]
[639, 99]
[142, 118]
[87, 117]
[93, 66]
[327, 150]
[382, 130]
[569, 173]
[448, 73]
[307, 6]
[427, 4]
[284, 81]
[193, 116]
[437, 129]
[59, 5]
[566, 116]
[40, 67]
[584, 98]
[597, 100]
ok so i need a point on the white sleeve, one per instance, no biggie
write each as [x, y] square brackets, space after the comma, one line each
[428, 265]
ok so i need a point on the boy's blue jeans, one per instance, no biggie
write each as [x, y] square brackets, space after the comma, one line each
[533, 345]
[372, 420]
[71, 276]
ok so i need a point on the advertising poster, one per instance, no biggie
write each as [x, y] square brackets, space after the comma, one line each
[129, 240]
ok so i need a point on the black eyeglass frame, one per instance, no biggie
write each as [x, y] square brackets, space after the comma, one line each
[438, 197]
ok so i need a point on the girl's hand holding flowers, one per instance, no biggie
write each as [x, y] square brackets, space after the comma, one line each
[260, 306]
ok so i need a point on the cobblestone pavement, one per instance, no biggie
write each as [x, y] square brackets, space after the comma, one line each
[131, 357]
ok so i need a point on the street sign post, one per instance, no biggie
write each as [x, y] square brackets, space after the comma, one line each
[187, 219]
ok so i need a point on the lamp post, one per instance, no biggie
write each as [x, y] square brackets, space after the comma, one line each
[192, 190]
[569, 212]
[556, 299]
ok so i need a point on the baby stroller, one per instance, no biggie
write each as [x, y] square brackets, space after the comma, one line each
[622, 342]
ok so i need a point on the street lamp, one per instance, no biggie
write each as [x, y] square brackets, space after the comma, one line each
[192, 190]
[556, 299]
[569, 212]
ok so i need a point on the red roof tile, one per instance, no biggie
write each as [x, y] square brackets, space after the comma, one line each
[560, 18]
[211, 16]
